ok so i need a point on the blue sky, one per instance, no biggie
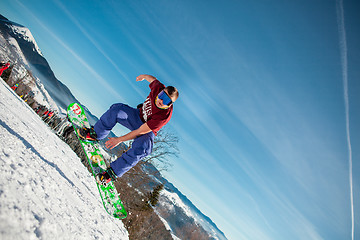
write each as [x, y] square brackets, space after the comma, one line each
[268, 115]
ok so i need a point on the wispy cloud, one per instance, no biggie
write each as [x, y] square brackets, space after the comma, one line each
[215, 129]
[344, 64]
[97, 45]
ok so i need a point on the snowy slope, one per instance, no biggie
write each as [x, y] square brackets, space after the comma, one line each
[45, 191]
[26, 35]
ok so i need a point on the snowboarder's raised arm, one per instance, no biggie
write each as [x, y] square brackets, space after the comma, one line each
[146, 77]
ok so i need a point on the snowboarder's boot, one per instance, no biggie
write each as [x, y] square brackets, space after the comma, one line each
[106, 177]
[88, 134]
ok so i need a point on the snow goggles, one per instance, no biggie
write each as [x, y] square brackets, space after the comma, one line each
[165, 98]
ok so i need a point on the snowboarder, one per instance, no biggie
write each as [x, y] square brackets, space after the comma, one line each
[143, 122]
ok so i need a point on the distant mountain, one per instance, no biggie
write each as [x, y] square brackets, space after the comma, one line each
[23, 50]
[33, 58]
[177, 212]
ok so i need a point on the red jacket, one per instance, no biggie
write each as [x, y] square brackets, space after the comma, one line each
[4, 68]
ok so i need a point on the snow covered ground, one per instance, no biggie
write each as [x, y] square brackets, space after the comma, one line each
[45, 191]
[26, 35]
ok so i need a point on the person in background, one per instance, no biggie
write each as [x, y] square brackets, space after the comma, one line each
[3, 67]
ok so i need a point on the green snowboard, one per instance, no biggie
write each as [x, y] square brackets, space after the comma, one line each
[108, 192]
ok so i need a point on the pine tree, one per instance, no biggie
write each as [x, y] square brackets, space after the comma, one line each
[153, 197]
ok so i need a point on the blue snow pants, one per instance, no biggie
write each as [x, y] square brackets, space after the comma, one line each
[130, 118]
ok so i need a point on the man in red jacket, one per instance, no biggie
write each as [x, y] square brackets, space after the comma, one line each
[3, 68]
[143, 123]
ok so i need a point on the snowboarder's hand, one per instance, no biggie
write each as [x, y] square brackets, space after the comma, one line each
[140, 78]
[146, 77]
[113, 142]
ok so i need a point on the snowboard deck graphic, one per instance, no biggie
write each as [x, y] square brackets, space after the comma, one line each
[109, 195]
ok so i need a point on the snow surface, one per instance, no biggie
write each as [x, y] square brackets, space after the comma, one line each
[175, 200]
[42, 96]
[45, 191]
[12, 41]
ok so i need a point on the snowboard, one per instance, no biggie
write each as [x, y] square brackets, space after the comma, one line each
[109, 195]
